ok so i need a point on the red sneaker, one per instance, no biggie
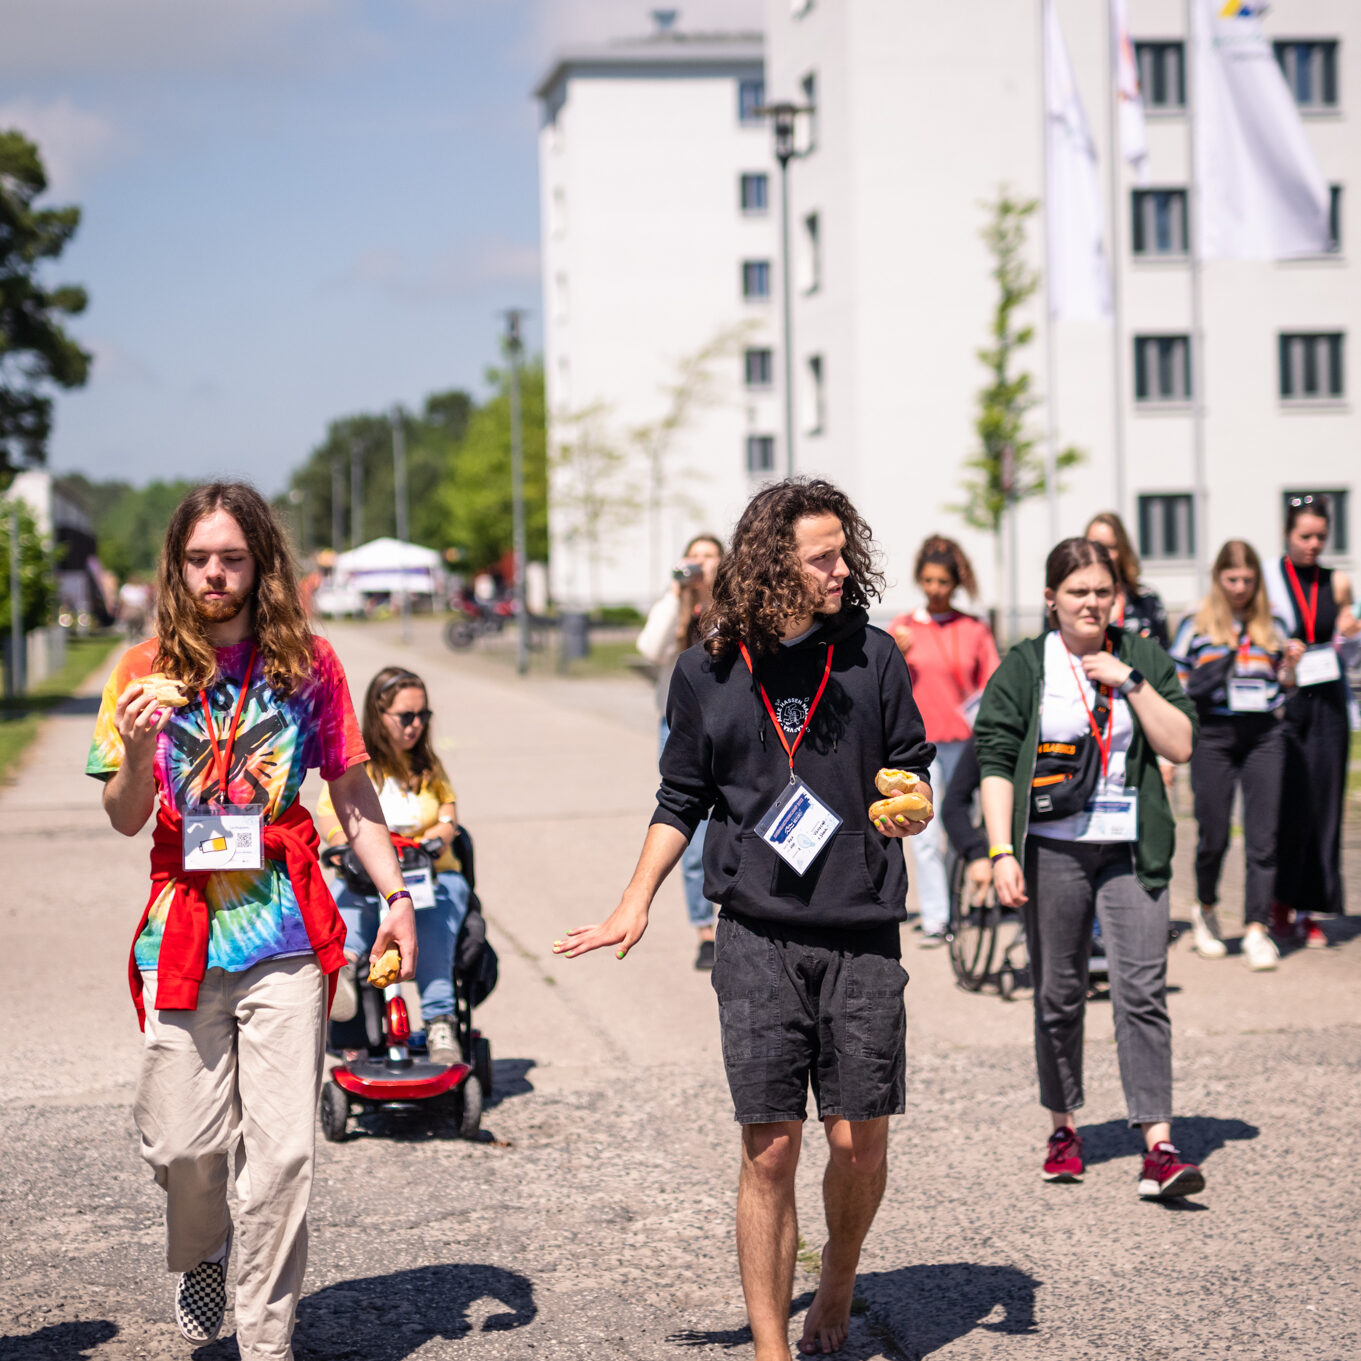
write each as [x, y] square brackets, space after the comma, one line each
[1063, 1160]
[1310, 932]
[1280, 924]
[1166, 1177]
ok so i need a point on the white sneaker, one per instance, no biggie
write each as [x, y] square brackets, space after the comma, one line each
[441, 1041]
[1259, 950]
[1205, 938]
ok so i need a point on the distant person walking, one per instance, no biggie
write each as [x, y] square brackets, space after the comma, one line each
[1138, 608]
[231, 961]
[672, 626]
[779, 725]
[1078, 823]
[1232, 661]
[950, 656]
[1318, 605]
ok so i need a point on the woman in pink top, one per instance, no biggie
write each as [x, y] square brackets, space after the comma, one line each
[950, 657]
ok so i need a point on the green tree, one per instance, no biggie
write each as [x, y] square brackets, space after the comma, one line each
[476, 499]
[432, 436]
[1006, 469]
[37, 580]
[35, 351]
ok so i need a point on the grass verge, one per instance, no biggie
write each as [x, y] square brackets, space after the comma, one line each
[20, 719]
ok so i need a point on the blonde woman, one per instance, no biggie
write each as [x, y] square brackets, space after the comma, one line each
[1232, 659]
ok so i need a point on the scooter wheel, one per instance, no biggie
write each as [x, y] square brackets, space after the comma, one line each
[470, 1107]
[459, 634]
[335, 1111]
[482, 1065]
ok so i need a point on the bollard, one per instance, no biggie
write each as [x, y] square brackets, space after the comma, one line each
[574, 642]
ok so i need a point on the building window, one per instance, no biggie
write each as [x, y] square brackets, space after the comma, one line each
[1335, 218]
[1339, 539]
[751, 94]
[1311, 365]
[810, 266]
[1162, 369]
[1162, 74]
[1159, 222]
[759, 366]
[756, 278]
[809, 85]
[754, 193]
[1310, 70]
[1167, 527]
[815, 412]
[760, 453]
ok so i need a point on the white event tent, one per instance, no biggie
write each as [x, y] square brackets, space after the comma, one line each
[388, 567]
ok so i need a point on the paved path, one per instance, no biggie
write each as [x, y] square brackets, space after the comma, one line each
[595, 1219]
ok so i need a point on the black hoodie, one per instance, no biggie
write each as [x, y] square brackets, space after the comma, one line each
[725, 760]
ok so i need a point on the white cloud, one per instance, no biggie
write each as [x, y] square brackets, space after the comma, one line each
[133, 37]
[72, 140]
[462, 269]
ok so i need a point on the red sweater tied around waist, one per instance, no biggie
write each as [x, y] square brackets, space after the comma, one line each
[183, 959]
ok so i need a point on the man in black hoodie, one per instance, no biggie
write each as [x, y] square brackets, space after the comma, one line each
[780, 721]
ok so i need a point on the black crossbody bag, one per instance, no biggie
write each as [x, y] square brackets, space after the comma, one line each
[1066, 773]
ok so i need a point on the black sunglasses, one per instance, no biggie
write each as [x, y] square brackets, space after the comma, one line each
[407, 716]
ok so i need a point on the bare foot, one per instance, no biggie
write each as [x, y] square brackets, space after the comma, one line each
[829, 1316]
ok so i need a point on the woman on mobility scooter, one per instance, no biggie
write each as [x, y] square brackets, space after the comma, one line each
[418, 802]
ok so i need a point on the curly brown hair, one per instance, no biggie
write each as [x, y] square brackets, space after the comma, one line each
[942, 552]
[183, 649]
[761, 584]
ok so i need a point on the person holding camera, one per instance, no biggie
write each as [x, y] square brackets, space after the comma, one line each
[672, 626]
[1068, 737]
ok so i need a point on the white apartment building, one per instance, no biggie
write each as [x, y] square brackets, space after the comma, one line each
[921, 113]
[659, 237]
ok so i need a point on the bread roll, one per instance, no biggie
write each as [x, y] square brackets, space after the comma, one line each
[168, 692]
[385, 971]
[889, 782]
[914, 807]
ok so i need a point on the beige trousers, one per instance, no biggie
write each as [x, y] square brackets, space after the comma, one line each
[239, 1078]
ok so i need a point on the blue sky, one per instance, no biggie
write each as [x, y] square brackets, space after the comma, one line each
[293, 209]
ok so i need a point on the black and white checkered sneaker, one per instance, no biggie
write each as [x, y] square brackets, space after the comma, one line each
[201, 1299]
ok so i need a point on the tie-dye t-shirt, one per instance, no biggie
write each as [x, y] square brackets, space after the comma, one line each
[254, 914]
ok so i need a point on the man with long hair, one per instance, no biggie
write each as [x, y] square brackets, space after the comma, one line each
[212, 725]
[780, 721]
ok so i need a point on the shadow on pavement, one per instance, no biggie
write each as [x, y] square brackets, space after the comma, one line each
[1196, 1136]
[510, 1077]
[730, 1337]
[389, 1318]
[59, 1341]
[948, 1300]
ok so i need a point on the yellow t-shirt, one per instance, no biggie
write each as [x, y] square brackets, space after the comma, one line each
[406, 811]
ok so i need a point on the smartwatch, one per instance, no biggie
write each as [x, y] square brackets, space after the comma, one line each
[445, 819]
[1132, 682]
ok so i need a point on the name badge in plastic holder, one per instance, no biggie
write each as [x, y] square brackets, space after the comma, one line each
[224, 837]
[1113, 815]
[1248, 696]
[1318, 666]
[420, 884]
[798, 826]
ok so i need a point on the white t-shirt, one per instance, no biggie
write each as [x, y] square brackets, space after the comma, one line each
[1063, 718]
[401, 807]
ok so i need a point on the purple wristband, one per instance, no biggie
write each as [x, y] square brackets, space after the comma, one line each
[390, 898]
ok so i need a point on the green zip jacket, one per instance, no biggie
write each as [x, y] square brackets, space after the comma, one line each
[1007, 734]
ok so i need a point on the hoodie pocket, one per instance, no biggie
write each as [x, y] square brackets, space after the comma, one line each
[838, 878]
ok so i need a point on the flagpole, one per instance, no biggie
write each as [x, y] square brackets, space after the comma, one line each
[1117, 330]
[1200, 491]
[1051, 480]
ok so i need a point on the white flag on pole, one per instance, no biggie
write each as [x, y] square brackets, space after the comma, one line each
[1261, 194]
[1129, 97]
[1079, 283]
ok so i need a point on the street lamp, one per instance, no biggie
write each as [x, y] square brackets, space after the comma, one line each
[514, 348]
[784, 119]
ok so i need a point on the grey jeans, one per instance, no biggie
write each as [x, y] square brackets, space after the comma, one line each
[1066, 881]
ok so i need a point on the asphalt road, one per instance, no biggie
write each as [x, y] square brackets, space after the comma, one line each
[594, 1217]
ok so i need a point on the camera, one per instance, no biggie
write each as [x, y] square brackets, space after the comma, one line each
[687, 573]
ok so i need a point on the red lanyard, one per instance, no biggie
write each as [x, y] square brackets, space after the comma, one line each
[1309, 612]
[222, 754]
[1103, 747]
[770, 708]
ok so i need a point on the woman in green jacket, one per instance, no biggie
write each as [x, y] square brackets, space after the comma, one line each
[1068, 736]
